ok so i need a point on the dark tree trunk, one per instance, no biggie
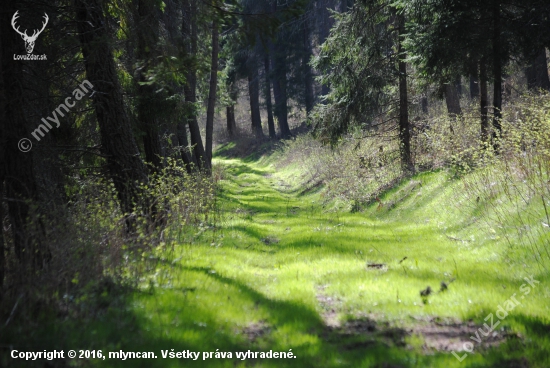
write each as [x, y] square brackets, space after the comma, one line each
[453, 103]
[3, 144]
[184, 147]
[452, 100]
[117, 140]
[458, 86]
[404, 131]
[474, 86]
[233, 95]
[269, 106]
[189, 30]
[483, 99]
[151, 144]
[231, 123]
[279, 90]
[147, 38]
[306, 68]
[497, 73]
[212, 95]
[16, 167]
[537, 72]
[2, 243]
[324, 30]
[343, 6]
[424, 104]
[254, 96]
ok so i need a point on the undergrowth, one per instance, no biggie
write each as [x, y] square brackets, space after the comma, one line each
[512, 183]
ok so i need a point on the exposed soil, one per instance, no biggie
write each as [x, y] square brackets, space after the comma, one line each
[437, 335]
[256, 330]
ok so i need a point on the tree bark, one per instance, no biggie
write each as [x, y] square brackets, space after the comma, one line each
[326, 24]
[231, 123]
[16, 167]
[458, 86]
[184, 147]
[537, 72]
[254, 96]
[147, 38]
[306, 68]
[483, 100]
[189, 30]
[117, 140]
[279, 90]
[404, 131]
[343, 6]
[453, 103]
[2, 243]
[233, 93]
[474, 86]
[3, 144]
[269, 106]
[497, 73]
[424, 104]
[212, 95]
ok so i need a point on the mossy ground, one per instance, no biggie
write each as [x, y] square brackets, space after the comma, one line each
[282, 270]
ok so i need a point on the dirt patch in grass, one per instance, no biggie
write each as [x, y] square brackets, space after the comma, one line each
[256, 330]
[376, 265]
[452, 336]
[270, 240]
[330, 306]
[363, 333]
[436, 335]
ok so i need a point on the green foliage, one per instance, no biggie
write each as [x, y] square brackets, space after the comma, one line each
[514, 186]
[280, 272]
[358, 61]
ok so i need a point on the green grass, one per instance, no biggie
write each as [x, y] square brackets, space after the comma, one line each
[278, 266]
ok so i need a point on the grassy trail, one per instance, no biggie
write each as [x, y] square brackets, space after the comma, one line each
[280, 271]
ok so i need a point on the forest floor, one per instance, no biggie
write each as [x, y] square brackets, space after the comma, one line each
[279, 270]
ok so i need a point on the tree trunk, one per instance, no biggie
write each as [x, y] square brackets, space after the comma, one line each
[147, 38]
[117, 140]
[184, 147]
[189, 30]
[2, 243]
[424, 104]
[343, 6]
[279, 90]
[453, 103]
[306, 68]
[269, 106]
[458, 86]
[3, 144]
[231, 123]
[254, 96]
[212, 95]
[452, 100]
[16, 166]
[537, 72]
[233, 95]
[326, 24]
[404, 132]
[474, 86]
[483, 100]
[497, 73]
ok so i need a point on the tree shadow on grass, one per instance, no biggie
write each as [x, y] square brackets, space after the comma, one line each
[126, 326]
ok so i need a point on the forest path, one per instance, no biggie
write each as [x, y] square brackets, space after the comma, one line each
[277, 270]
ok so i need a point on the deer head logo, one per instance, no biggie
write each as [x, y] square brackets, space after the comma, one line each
[29, 40]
